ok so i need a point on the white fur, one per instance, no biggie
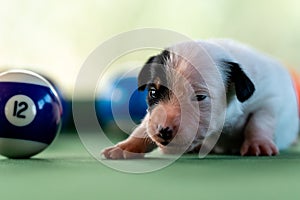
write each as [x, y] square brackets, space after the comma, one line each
[274, 93]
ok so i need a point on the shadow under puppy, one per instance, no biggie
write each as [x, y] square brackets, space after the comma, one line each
[199, 90]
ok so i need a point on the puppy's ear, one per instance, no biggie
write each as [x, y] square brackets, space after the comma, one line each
[145, 74]
[244, 87]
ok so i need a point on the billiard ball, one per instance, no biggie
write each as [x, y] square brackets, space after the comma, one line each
[30, 114]
[119, 103]
[66, 104]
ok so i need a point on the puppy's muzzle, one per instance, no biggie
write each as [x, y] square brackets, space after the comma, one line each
[164, 123]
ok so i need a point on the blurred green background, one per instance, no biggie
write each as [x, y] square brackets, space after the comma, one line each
[54, 37]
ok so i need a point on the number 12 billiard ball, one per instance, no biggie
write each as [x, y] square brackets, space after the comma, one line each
[30, 114]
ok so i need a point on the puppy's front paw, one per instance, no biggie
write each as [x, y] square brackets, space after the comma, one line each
[259, 147]
[122, 151]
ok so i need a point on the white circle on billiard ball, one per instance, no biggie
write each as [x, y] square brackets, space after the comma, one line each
[20, 110]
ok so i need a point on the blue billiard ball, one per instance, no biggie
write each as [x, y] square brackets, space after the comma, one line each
[121, 101]
[30, 114]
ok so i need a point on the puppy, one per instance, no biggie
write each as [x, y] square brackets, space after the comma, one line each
[213, 89]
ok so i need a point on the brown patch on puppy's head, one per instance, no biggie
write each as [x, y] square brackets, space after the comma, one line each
[157, 83]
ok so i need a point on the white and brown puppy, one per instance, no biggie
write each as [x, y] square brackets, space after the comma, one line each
[186, 102]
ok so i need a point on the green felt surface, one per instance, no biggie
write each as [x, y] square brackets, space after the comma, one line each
[66, 171]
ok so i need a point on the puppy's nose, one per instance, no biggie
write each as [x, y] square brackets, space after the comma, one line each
[165, 133]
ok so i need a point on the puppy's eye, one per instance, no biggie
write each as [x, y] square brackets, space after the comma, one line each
[200, 97]
[152, 93]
